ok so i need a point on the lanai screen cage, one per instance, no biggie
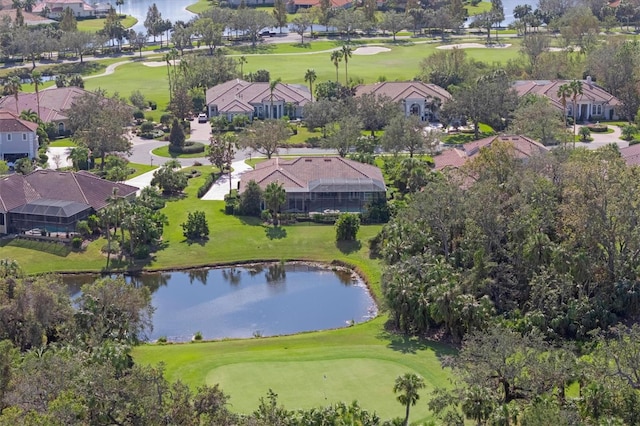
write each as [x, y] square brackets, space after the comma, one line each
[335, 195]
[48, 215]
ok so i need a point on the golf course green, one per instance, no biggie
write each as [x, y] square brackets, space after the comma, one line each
[310, 369]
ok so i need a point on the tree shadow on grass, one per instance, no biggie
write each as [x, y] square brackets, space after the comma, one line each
[258, 48]
[275, 232]
[407, 344]
[348, 247]
[200, 241]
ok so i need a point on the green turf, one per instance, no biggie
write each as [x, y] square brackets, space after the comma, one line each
[140, 169]
[359, 362]
[95, 25]
[63, 142]
[199, 7]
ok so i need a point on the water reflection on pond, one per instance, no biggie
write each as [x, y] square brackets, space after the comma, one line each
[265, 299]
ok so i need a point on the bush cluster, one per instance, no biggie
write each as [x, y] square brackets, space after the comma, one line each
[188, 148]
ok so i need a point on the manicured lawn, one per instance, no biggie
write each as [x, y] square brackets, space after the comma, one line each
[483, 6]
[63, 142]
[151, 81]
[199, 7]
[95, 25]
[140, 169]
[310, 369]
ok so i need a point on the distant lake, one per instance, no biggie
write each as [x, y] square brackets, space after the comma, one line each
[246, 301]
[174, 10]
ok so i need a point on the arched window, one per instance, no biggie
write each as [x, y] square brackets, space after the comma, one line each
[415, 109]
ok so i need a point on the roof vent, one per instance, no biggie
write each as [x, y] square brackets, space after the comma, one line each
[308, 160]
[327, 160]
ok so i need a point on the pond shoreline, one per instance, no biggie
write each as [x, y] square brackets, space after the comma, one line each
[219, 265]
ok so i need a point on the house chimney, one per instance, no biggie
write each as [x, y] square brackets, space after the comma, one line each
[589, 81]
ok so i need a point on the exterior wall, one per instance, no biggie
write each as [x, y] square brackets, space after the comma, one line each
[18, 143]
[592, 111]
[419, 107]
[76, 8]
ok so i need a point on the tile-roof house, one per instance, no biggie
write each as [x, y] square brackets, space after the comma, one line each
[294, 5]
[54, 200]
[524, 148]
[53, 104]
[416, 97]
[316, 184]
[18, 138]
[631, 154]
[594, 104]
[30, 19]
[55, 8]
[255, 100]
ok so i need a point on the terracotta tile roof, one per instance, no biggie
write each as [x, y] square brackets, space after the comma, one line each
[399, 90]
[53, 102]
[455, 157]
[549, 89]
[10, 123]
[79, 187]
[297, 174]
[14, 192]
[239, 95]
[29, 17]
[631, 154]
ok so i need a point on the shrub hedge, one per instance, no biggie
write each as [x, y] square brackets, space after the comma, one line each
[206, 185]
[188, 148]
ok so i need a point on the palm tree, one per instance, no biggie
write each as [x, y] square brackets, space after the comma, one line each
[79, 157]
[346, 54]
[170, 57]
[310, 77]
[272, 87]
[408, 386]
[576, 89]
[274, 198]
[36, 79]
[12, 86]
[564, 92]
[242, 60]
[119, 3]
[30, 115]
[336, 57]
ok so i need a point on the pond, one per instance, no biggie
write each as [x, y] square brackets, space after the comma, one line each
[251, 301]
[174, 10]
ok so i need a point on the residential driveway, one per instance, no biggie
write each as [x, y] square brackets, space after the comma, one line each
[141, 181]
[200, 132]
[602, 139]
[221, 187]
[58, 157]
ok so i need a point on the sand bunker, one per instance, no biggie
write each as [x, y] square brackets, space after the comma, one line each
[370, 50]
[473, 46]
[159, 63]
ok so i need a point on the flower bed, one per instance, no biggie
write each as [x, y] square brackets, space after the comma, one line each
[598, 128]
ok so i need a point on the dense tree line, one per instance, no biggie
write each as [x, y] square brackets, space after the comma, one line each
[550, 244]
